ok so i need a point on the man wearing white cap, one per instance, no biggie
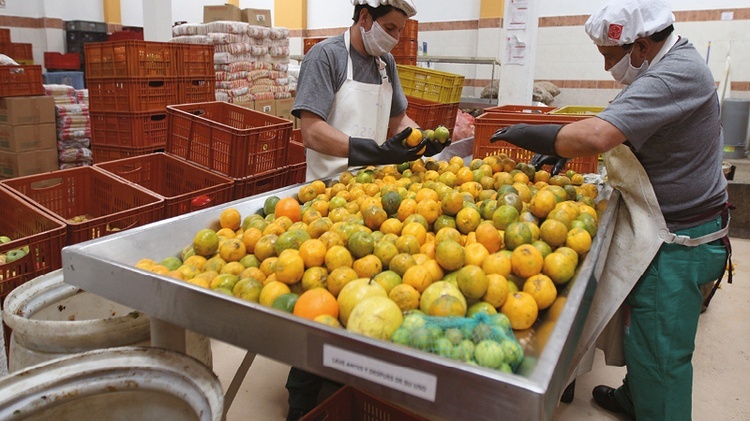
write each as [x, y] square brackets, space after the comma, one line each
[348, 96]
[662, 143]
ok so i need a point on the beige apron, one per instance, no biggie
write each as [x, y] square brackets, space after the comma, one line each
[639, 232]
[359, 110]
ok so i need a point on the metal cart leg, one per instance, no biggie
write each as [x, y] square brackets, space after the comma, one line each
[239, 377]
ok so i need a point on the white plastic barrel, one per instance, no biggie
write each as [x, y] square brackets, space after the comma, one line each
[51, 319]
[115, 384]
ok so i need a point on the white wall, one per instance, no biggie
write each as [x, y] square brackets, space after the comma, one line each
[585, 7]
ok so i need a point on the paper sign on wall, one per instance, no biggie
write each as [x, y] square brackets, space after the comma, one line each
[515, 51]
[518, 14]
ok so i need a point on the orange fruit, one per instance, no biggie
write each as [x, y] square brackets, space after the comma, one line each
[414, 138]
[579, 240]
[542, 203]
[338, 256]
[264, 248]
[374, 216]
[497, 290]
[196, 261]
[447, 233]
[497, 263]
[489, 237]
[313, 253]
[401, 262]
[368, 266]
[234, 268]
[429, 208]
[306, 193]
[406, 208]
[408, 244]
[452, 203]
[472, 281]
[450, 255]
[250, 237]
[418, 277]
[316, 302]
[517, 234]
[328, 320]
[405, 296]
[315, 277]
[447, 306]
[467, 220]
[230, 218]
[253, 272]
[475, 253]
[215, 263]
[205, 243]
[425, 193]
[340, 277]
[391, 226]
[415, 229]
[553, 232]
[271, 291]
[232, 250]
[521, 309]
[526, 261]
[559, 267]
[542, 289]
[288, 207]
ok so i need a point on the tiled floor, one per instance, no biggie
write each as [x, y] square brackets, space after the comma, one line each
[721, 361]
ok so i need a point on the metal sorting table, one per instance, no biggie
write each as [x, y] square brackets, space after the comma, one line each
[428, 384]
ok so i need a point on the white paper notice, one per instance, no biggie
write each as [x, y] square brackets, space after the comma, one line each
[519, 14]
[413, 382]
[515, 51]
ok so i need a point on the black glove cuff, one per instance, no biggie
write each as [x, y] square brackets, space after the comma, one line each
[539, 138]
[362, 151]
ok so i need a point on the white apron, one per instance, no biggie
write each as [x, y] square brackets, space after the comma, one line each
[639, 232]
[359, 110]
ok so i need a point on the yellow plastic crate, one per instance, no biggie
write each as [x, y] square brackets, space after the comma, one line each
[578, 110]
[432, 85]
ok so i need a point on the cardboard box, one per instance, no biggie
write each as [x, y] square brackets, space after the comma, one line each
[267, 106]
[225, 12]
[19, 164]
[27, 110]
[259, 17]
[249, 104]
[284, 108]
[27, 137]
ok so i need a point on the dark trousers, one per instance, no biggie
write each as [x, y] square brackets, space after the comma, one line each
[303, 388]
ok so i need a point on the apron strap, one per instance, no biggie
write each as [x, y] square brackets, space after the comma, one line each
[728, 245]
[684, 240]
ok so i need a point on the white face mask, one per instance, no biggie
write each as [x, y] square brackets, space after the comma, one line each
[625, 73]
[377, 41]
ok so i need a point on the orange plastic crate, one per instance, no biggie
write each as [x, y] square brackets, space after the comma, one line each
[21, 81]
[27, 225]
[195, 61]
[111, 205]
[177, 181]
[257, 184]
[131, 130]
[430, 114]
[122, 59]
[309, 42]
[132, 94]
[405, 47]
[488, 123]
[193, 90]
[406, 60]
[232, 140]
[21, 51]
[57, 61]
[111, 153]
[530, 109]
[349, 403]
[411, 29]
[295, 159]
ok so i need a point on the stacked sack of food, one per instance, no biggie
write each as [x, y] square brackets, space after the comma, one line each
[251, 61]
[73, 127]
[83, 96]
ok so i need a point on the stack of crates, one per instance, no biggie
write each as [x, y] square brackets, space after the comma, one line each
[131, 83]
[21, 53]
[433, 95]
[405, 52]
[78, 33]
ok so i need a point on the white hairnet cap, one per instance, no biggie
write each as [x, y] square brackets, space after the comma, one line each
[621, 22]
[406, 5]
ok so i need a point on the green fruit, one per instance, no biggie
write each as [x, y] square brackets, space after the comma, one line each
[428, 134]
[391, 201]
[4, 239]
[441, 134]
[443, 347]
[14, 255]
[171, 262]
[285, 302]
[454, 335]
[489, 353]
[401, 336]
[269, 206]
[247, 289]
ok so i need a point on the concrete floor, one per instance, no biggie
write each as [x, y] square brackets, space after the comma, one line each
[721, 366]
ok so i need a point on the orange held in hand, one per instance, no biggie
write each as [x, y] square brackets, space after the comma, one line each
[414, 138]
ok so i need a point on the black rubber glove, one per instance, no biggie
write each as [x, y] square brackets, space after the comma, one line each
[434, 147]
[558, 163]
[367, 152]
[539, 138]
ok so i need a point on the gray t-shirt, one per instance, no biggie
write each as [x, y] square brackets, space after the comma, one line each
[323, 71]
[670, 116]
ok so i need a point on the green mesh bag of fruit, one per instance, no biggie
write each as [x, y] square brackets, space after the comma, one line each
[484, 340]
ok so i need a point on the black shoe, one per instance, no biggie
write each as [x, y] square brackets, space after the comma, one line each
[569, 393]
[295, 414]
[604, 396]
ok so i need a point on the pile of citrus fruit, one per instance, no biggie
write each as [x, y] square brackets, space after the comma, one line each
[441, 238]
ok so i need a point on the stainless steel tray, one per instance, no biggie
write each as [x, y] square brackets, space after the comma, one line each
[428, 384]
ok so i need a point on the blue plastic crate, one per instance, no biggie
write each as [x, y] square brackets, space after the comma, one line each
[74, 79]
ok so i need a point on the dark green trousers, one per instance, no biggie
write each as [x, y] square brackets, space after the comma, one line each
[659, 337]
[303, 388]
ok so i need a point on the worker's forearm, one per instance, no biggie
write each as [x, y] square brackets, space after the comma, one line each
[322, 137]
[587, 137]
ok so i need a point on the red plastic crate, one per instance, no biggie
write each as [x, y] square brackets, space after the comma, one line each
[232, 140]
[131, 130]
[4, 35]
[21, 51]
[177, 181]
[111, 205]
[57, 61]
[125, 36]
[193, 90]
[27, 225]
[296, 162]
[411, 29]
[195, 61]
[309, 42]
[529, 109]
[111, 153]
[349, 403]
[123, 59]
[257, 184]
[132, 94]
[21, 81]
[430, 114]
[488, 123]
